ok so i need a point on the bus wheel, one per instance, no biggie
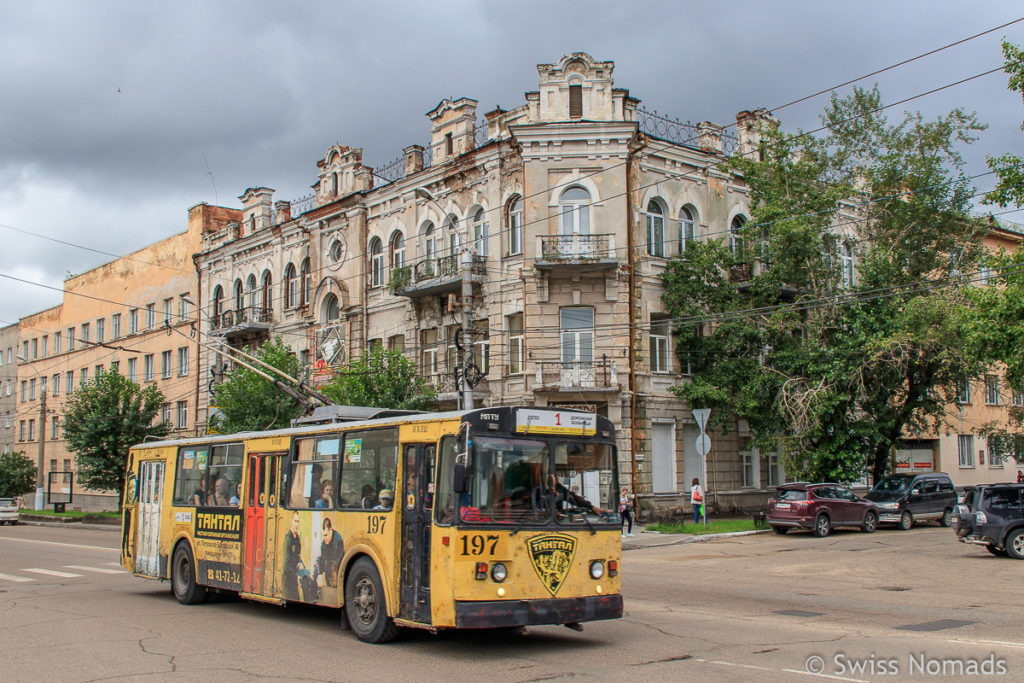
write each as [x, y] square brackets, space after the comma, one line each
[365, 604]
[183, 577]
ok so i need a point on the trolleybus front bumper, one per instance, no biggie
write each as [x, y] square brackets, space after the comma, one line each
[505, 613]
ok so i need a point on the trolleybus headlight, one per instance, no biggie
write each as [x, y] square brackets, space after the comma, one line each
[499, 572]
[596, 569]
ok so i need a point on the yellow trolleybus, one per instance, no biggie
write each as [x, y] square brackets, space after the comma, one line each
[494, 517]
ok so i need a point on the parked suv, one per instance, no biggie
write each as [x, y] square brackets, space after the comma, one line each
[819, 507]
[8, 511]
[907, 498]
[992, 515]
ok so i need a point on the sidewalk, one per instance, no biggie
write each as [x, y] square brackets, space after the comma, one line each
[653, 539]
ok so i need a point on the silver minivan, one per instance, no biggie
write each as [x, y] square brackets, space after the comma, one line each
[8, 511]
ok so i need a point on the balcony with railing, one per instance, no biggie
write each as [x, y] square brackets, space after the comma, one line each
[578, 252]
[249, 321]
[596, 376]
[435, 276]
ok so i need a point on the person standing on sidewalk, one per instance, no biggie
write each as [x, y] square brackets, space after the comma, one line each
[696, 499]
[626, 510]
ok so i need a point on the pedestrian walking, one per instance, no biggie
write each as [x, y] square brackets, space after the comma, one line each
[697, 499]
[626, 510]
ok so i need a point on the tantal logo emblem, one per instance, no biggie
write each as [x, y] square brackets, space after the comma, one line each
[551, 556]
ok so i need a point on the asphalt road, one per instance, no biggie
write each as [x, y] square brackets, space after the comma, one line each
[750, 608]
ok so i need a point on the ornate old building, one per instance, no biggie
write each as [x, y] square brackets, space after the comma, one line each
[558, 216]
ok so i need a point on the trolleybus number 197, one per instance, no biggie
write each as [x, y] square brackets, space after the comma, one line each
[375, 524]
[476, 545]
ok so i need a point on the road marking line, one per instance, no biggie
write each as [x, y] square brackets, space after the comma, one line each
[98, 570]
[18, 579]
[1007, 643]
[65, 545]
[835, 678]
[51, 572]
[736, 664]
[112, 564]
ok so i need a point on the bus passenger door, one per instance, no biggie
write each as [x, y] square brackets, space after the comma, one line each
[417, 504]
[147, 539]
[260, 520]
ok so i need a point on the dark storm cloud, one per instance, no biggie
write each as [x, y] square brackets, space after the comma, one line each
[118, 116]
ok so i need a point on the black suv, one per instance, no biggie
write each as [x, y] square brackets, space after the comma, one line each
[992, 515]
[907, 498]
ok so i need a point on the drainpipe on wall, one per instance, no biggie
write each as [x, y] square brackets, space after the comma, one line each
[199, 349]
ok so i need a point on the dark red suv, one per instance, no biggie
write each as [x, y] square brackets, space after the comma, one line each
[819, 507]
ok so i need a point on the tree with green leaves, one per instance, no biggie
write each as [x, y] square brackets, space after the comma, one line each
[102, 420]
[1009, 168]
[829, 324]
[17, 474]
[246, 401]
[381, 378]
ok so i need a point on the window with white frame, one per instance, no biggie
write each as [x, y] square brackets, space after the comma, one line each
[482, 346]
[480, 232]
[659, 344]
[655, 228]
[183, 307]
[115, 326]
[451, 225]
[133, 318]
[452, 350]
[101, 329]
[305, 283]
[165, 364]
[238, 294]
[55, 384]
[45, 346]
[85, 334]
[515, 343]
[1017, 397]
[71, 339]
[147, 367]
[574, 207]
[749, 463]
[376, 262]
[576, 327]
[996, 451]
[168, 310]
[397, 249]
[515, 226]
[686, 228]
[83, 377]
[965, 448]
[56, 345]
[963, 391]
[182, 361]
[165, 413]
[253, 291]
[150, 316]
[429, 351]
[55, 430]
[291, 290]
[775, 473]
[429, 243]
[69, 381]
[132, 362]
[736, 236]
[182, 414]
[991, 390]
[846, 264]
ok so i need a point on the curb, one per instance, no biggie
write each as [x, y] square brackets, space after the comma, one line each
[699, 538]
[71, 525]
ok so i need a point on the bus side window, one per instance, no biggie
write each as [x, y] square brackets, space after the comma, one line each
[369, 464]
[444, 497]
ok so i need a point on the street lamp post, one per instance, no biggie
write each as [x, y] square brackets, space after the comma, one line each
[42, 436]
[467, 296]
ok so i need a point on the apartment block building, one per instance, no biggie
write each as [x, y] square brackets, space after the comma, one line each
[8, 384]
[133, 313]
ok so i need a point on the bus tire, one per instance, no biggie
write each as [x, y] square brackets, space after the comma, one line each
[183, 577]
[365, 604]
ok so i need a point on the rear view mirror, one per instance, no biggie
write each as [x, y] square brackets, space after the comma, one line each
[916, 493]
[459, 483]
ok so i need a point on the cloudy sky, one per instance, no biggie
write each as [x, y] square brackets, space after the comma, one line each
[115, 117]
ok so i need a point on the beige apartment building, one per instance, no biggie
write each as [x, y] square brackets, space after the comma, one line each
[558, 215]
[133, 314]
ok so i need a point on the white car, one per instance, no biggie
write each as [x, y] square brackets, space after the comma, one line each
[8, 511]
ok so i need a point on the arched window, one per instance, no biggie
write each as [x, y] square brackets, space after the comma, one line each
[397, 248]
[429, 242]
[217, 301]
[451, 226]
[480, 232]
[305, 283]
[239, 297]
[266, 287]
[574, 205]
[250, 286]
[736, 236]
[330, 309]
[515, 225]
[376, 262]
[655, 229]
[291, 290]
[686, 222]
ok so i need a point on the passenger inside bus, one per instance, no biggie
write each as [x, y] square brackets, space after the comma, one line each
[236, 499]
[562, 498]
[387, 499]
[326, 499]
[221, 492]
[369, 497]
[199, 495]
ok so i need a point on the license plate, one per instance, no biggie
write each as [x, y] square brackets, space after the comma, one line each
[782, 506]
